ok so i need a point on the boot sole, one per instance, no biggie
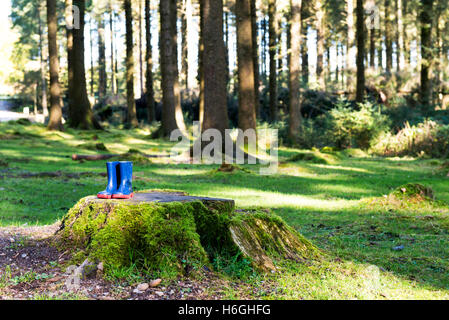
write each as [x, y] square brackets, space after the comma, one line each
[104, 197]
[123, 196]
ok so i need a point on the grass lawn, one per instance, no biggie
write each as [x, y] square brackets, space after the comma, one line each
[341, 208]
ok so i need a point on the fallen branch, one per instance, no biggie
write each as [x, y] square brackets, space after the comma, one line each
[98, 157]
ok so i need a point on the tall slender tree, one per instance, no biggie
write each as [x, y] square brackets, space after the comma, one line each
[247, 108]
[172, 117]
[43, 64]
[320, 44]
[350, 55]
[55, 122]
[295, 70]
[388, 36]
[426, 22]
[304, 49]
[132, 114]
[254, 25]
[102, 78]
[149, 61]
[360, 91]
[272, 34]
[112, 41]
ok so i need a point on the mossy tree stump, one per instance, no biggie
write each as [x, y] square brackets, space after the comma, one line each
[174, 234]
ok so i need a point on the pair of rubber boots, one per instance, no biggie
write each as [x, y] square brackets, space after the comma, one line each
[120, 175]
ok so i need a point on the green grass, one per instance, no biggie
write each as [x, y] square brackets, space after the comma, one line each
[340, 207]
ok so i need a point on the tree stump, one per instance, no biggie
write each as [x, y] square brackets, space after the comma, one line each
[175, 234]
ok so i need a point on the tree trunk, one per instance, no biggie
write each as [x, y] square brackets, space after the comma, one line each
[400, 36]
[304, 48]
[149, 60]
[320, 44]
[426, 50]
[132, 117]
[405, 44]
[247, 108]
[350, 43]
[112, 31]
[102, 80]
[214, 68]
[372, 47]
[255, 55]
[388, 36]
[272, 34]
[360, 91]
[55, 122]
[200, 66]
[80, 113]
[294, 70]
[92, 70]
[172, 117]
[140, 50]
[43, 66]
[184, 47]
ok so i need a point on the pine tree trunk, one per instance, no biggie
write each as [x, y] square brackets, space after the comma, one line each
[200, 65]
[272, 34]
[372, 48]
[405, 44]
[350, 43]
[388, 36]
[149, 70]
[112, 40]
[140, 50]
[43, 67]
[400, 36]
[304, 49]
[320, 44]
[255, 55]
[184, 47]
[80, 113]
[92, 70]
[247, 108]
[295, 70]
[360, 92]
[172, 117]
[132, 117]
[214, 68]
[55, 122]
[426, 50]
[102, 81]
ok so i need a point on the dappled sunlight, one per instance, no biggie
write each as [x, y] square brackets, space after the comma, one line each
[353, 169]
[180, 172]
[258, 198]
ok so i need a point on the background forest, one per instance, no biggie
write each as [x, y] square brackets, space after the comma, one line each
[325, 73]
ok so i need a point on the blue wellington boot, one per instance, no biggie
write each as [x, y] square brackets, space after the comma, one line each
[112, 181]
[125, 188]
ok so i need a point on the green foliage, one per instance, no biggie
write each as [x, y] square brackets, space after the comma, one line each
[427, 139]
[235, 266]
[348, 127]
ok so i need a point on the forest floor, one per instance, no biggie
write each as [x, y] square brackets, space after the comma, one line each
[375, 248]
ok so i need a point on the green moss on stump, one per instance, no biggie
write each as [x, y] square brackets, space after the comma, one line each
[177, 238]
[414, 191]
